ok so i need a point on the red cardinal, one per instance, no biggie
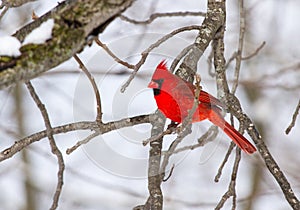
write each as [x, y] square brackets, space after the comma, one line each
[175, 97]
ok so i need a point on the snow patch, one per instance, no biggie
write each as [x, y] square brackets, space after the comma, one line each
[9, 46]
[40, 34]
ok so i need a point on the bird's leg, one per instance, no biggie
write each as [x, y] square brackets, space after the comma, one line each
[172, 125]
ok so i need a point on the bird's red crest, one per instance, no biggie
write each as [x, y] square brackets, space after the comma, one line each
[161, 71]
[162, 65]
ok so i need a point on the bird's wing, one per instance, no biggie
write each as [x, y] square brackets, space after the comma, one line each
[207, 98]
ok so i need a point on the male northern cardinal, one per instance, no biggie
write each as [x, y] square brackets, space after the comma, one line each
[175, 97]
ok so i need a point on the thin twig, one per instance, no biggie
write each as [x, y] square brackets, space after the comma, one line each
[255, 52]
[233, 56]
[95, 88]
[279, 73]
[170, 174]
[171, 150]
[84, 141]
[146, 52]
[234, 175]
[238, 58]
[208, 136]
[109, 52]
[157, 15]
[180, 56]
[55, 150]
[232, 185]
[219, 173]
[232, 145]
[292, 124]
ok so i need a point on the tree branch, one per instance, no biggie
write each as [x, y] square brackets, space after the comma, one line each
[292, 124]
[95, 88]
[238, 57]
[155, 200]
[157, 15]
[231, 192]
[54, 148]
[234, 108]
[146, 52]
[214, 19]
[74, 22]
[87, 125]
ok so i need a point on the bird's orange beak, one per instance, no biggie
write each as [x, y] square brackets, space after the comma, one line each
[152, 84]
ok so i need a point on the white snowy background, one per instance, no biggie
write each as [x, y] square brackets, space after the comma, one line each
[114, 178]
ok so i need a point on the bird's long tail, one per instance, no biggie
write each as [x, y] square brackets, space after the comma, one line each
[236, 137]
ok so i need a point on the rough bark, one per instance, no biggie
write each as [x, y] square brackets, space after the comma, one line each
[74, 22]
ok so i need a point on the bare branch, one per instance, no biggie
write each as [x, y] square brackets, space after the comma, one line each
[55, 150]
[146, 52]
[234, 55]
[109, 52]
[217, 177]
[255, 52]
[208, 136]
[157, 15]
[214, 20]
[234, 107]
[170, 151]
[232, 185]
[293, 67]
[238, 57]
[95, 88]
[155, 200]
[87, 125]
[183, 53]
[170, 174]
[84, 141]
[292, 124]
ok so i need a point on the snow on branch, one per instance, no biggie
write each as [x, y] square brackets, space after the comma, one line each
[74, 22]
